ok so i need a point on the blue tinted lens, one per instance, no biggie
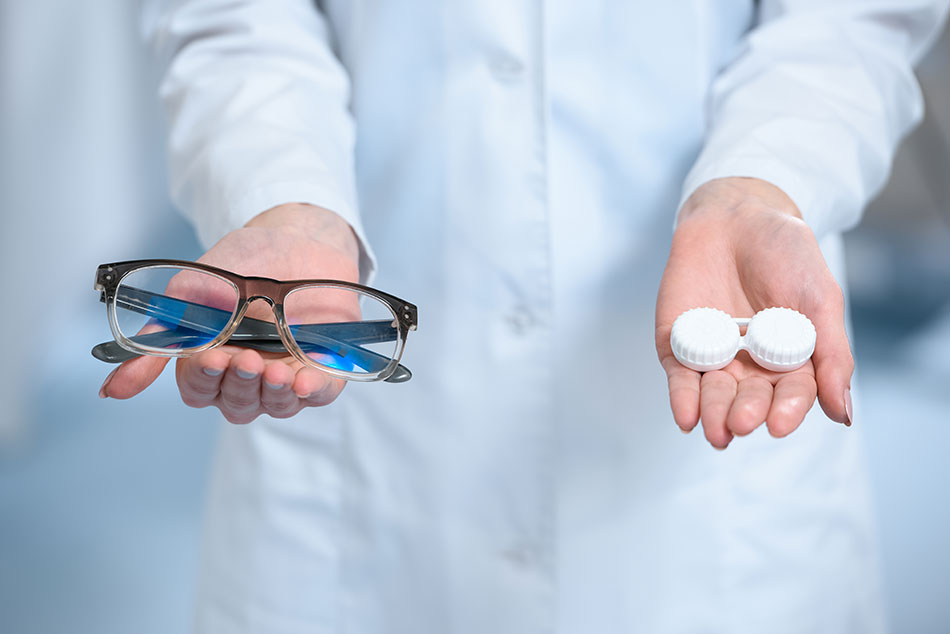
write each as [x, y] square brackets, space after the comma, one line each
[342, 328]
[187, 307]
[333, 354]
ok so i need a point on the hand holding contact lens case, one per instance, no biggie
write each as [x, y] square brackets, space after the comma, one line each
[778, 339]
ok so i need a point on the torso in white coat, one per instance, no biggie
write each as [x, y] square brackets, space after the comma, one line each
[518, 167]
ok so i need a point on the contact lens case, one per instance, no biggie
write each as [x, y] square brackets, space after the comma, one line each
[778, 339]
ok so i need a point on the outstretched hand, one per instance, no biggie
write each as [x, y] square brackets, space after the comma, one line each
[286, 243]
[741, 246]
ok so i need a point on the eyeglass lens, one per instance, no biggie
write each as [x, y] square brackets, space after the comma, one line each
[342, 328]
[162, 306]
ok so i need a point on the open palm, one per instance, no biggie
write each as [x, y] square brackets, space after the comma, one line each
[241, 382]
[742, 254]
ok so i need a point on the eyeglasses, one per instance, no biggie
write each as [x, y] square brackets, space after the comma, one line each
[173, 308]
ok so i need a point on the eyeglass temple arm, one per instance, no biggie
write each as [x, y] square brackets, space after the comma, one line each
[251, 333]
[112, 352]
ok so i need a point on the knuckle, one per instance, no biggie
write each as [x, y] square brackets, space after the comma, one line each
[324, 394]
[686, 393]
[277, 406]
[321, 398]
[240, 409]
[835, 293]
[195, 400]
[241, 405]
[285, 411]
[715, 379]
[832, 296]
[203, 384]
[241, 399]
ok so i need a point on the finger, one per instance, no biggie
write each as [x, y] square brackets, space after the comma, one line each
[684, 393]
[240, 399]
[794, 395]
[315, 387]
[717, 392]
[277, 396]
[833, 361]
[199, 377]
[132, 377]
[750, 407]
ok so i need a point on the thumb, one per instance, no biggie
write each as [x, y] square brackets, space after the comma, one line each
[132, 377]
[833, 361]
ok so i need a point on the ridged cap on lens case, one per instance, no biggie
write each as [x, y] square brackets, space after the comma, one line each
[780, 339]
[704, 339]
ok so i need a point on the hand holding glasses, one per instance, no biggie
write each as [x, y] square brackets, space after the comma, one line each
[777, 339]
[173, 308]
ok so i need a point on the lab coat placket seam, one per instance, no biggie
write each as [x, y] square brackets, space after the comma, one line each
[548, 454]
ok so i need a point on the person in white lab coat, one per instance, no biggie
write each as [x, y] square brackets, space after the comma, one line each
[514, 170]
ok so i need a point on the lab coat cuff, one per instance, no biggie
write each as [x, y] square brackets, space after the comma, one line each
[265, 197]
[788, 180]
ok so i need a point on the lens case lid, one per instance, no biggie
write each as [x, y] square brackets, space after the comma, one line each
[778, 339]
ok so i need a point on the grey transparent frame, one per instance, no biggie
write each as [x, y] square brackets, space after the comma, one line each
[253, 333]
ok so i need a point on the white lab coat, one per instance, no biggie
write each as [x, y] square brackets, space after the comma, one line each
[514, 169]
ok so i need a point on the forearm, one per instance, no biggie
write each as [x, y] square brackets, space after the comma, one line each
[258, 109]
[816, 101]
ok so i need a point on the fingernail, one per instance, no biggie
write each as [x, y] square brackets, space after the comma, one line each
[244, 374]
[105, 384]
[212, 371]
[685, 431]
[305, 396]
[848, 407]
[274, 386]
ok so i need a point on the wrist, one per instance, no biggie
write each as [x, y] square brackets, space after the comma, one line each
[737, 196]
[312, 222]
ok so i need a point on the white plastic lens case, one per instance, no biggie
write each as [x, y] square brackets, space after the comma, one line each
[778, 339]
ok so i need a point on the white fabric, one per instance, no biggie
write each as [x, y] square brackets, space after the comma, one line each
[817, 100]
[518, 167]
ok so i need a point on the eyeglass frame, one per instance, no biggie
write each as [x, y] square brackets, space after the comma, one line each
[249, 289]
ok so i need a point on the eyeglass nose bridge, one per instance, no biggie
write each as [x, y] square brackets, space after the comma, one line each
[266, 298]
[277, 310]
[252, 289]
[264, 288]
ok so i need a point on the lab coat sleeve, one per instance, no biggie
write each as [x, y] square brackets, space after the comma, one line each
[817, 100]
[258, 109]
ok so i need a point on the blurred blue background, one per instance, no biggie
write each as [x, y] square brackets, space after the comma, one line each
[101, 501]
